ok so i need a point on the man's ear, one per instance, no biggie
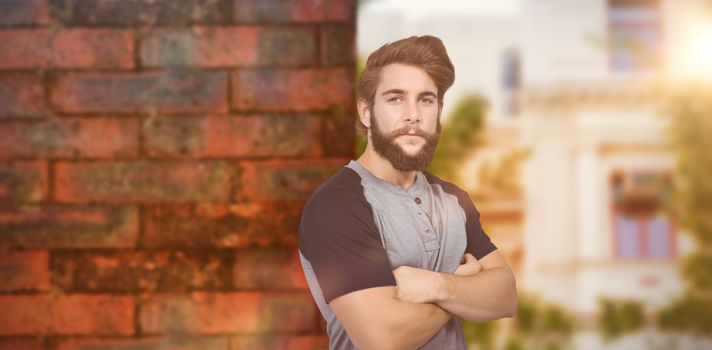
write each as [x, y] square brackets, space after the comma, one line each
[364, 112]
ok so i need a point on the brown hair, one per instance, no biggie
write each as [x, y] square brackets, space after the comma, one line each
[426, 52]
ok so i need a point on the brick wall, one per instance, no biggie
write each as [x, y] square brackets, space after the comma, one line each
[155, 156]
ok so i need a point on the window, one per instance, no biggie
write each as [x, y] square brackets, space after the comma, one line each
[641, 228]
[635, 35]
[510, 81]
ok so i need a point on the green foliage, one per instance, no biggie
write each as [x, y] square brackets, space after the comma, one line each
[618, 317]
[537, 326]
[461, 135]
[693, 313]
[690, 129]
[535, 317]
[481, 334]
[501, 177]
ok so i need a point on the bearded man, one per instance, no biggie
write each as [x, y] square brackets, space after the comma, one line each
[393, 255]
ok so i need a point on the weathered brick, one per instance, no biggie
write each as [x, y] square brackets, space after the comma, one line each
[24, 343]
[255, 11]
[68, 226]
[268, 268]
[170, 342]
[143, 181]
[70, 138]
[222, 136]
[24, 270]
[129, 271]
[287, 46]
[21, 95]
[141, 12]
[66, 315]
[200, 46]
[285, 179]
[268, 342]
[228, 46]
[292, 90]
[237, 312]
[15, 12]
[71, 48]
[22, 181]
[225, 225]
[168, 91]
[338, 45]
[339, 136]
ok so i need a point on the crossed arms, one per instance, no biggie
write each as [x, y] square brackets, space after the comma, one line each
[408, 315]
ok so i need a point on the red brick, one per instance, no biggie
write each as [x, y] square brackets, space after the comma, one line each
[70, 138]
[287, 46]
[263, 224]
[23, 181]
[129, 271]
[142, 12]
[66, 315]
[259, 136]
[229, 46]
[292, 90]
[166, 92]
[285, 179]
[56, 226]
[143, 181]
[339, 135]
[270, 268]
[293, 11]
[238, 312]
[21, 95]
[24, 12]
[173, 342]
[24, 270]
[71, 48]
[338, 44]
[25, 343]
[296, 342]
[200, 46]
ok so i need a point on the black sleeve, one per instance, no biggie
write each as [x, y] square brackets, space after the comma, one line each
[478, 243]
[339, 237]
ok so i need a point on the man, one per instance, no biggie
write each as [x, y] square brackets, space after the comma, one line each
[393, 255]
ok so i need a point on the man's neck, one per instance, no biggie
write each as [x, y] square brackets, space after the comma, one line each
[384, 170]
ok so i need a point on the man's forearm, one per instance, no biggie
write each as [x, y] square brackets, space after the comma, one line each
[385, 322]
[488, 295]
[414, 324]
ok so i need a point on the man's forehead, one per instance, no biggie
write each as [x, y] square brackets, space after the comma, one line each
[405, 79]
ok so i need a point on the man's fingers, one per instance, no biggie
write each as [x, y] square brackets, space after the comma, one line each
[467, 258]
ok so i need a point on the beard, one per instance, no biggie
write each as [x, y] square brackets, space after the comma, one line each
[386, 146]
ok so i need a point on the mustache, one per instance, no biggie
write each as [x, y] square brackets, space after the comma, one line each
[409, 131]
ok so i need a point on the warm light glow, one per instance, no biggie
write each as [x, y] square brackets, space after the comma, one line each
[698, 52]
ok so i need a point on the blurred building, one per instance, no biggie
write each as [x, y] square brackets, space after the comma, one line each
[576, 83]
[600, 173]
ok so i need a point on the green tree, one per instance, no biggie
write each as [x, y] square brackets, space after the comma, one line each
[690, 130]
[461, 135]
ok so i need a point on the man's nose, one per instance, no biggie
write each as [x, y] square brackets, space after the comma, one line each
[412, 114]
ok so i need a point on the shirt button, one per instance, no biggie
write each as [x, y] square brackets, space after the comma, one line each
[427, 230]
[420, 213]
[417, 200]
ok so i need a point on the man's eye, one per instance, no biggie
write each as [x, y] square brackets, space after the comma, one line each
[427, 100]
[394, 99]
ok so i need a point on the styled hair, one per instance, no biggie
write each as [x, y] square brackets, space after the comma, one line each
[426, 52]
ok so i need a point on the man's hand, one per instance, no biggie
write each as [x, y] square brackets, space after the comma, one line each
[469, 266]
[421, 286]
[416, 285]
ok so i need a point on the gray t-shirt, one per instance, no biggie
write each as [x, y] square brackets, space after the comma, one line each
[356, 228]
